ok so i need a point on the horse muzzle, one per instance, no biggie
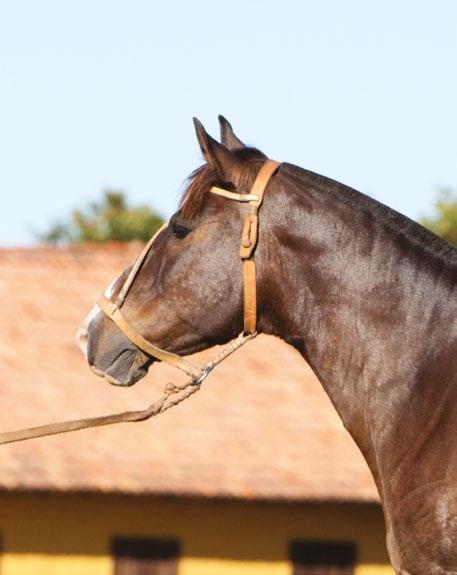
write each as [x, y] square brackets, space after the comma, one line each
[122, 364]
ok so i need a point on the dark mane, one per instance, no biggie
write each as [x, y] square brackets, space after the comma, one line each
[201, 180]
[204, 177]
[400, 224]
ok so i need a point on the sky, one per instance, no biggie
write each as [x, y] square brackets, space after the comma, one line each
[101, 94]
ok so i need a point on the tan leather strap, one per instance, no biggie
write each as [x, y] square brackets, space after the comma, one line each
[112, 310]
[249, 296]
[251, 222]
[233, 195]
[136, 267]
[249, 238]
[249, 242]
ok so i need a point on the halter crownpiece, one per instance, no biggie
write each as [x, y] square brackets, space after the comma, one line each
[174, 394]
[249, 239]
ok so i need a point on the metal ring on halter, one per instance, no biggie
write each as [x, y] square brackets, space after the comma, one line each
[206, 371]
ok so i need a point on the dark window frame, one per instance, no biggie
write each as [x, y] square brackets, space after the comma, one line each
[317, 557]
[152, 555]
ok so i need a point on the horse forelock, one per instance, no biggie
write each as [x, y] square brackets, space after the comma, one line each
[198, 184]
[204, 177]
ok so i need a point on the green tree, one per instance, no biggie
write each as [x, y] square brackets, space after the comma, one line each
[444, 221]
[110, 219]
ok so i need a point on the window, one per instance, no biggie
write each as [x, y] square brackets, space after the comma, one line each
[144, 556]
[316, 558]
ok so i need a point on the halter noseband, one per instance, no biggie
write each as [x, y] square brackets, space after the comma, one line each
[249, 238]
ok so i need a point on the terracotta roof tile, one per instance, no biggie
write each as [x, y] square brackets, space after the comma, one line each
[262, 427]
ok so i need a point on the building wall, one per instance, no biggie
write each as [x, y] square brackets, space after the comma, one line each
[70, 534]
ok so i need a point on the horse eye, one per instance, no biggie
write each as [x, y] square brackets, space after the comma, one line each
[179, 231]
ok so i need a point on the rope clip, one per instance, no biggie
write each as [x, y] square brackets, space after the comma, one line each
[206, 371]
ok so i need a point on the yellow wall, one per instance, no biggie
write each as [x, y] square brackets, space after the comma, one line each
[70, 534]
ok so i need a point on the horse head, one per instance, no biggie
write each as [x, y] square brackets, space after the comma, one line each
[187, 294]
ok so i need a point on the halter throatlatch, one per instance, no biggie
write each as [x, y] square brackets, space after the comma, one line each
[174, 394]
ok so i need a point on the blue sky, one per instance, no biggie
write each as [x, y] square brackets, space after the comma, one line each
[97, 94]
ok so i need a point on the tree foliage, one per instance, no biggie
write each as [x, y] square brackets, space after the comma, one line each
[444, 221]
[110, 219]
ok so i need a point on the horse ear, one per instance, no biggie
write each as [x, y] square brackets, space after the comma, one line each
[228, 137]
[221, 159]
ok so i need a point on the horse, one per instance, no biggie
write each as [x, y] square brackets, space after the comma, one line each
[366, 295]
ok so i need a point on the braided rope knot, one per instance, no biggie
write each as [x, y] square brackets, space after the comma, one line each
[170, 388]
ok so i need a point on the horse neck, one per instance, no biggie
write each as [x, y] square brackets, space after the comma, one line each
[354, 296]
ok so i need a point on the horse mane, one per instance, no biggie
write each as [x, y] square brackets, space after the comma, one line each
[403, 226]
[204, 177]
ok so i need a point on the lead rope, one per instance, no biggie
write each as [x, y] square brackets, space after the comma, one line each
[173, 394]
[197, 374]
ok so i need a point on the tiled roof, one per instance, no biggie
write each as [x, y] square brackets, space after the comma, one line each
[261, 427]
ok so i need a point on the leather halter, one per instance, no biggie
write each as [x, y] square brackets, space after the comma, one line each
[175, 393]
[249, 238]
